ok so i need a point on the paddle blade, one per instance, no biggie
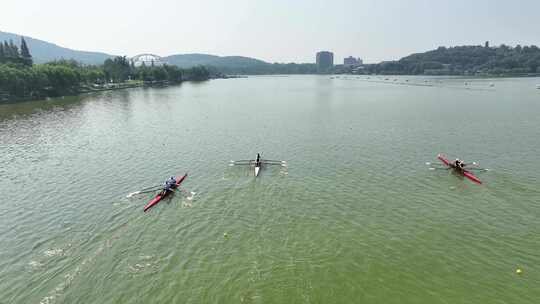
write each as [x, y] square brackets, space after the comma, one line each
[133, 193]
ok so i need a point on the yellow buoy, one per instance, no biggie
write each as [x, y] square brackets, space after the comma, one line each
[519, 271]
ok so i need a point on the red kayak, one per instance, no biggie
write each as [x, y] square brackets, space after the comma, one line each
[161, 196]
[467, 174]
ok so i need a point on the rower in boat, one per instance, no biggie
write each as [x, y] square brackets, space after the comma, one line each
[257, 164]
[169, 185]
[168, 188]
[459, 164]
[258, 160]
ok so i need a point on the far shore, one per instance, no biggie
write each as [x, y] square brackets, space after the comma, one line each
[85, 89]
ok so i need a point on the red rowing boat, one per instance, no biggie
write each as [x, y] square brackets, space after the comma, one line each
[161, 195]
[466, 173]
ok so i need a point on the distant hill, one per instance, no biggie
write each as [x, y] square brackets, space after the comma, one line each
[466, 60]
[225, 63]
[43, 51]
[239, 64]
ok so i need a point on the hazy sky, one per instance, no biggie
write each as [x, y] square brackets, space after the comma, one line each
[275, 31]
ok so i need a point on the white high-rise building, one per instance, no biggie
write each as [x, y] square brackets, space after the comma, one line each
[352, 62]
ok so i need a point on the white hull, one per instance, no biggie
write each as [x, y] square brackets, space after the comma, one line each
[257, 170]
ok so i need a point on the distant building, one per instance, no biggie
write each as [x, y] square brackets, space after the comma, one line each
[325, 61]
[487, 44]
[352, 62]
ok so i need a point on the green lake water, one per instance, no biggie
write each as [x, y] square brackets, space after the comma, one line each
[356, 217]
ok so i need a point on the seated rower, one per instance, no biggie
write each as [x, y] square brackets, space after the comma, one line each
[459, 164]
[169, 185]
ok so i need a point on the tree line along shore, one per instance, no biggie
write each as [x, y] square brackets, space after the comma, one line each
[21, 79]
[498, 61]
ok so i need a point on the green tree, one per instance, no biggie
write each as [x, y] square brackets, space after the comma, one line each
[174, 73]
[25, 53]
[13, 49]
[7, 50]
[465, 59]
[160, 74]
[117, 69]
[198, 73]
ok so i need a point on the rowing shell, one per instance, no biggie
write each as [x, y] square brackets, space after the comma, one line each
[161, 196]
[258, 166]
[466, 173]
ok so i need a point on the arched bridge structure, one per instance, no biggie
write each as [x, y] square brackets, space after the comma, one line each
[147, 60]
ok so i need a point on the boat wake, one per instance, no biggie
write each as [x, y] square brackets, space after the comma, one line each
[54, 252]
[192, 195]
[59, 290]
[36, 265]
[145, 263]
[189, 200]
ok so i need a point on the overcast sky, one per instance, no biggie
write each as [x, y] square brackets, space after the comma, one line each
[275, 31]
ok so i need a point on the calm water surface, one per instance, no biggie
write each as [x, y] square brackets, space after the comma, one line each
[356, 217]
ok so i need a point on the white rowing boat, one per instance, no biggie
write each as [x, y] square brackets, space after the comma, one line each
[258, 163]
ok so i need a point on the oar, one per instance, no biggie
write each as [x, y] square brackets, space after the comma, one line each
[277, 164]
[240, 164]
[474, 164]
[153, 187]
[477, 169]
[145, 190]
[273, 162]
[148, 191]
